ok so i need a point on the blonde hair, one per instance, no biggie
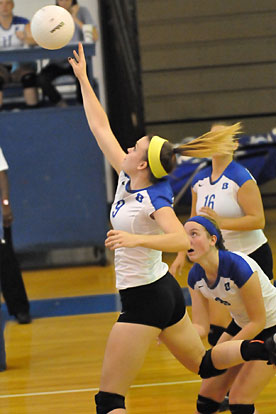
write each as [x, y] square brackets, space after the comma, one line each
[213, 142]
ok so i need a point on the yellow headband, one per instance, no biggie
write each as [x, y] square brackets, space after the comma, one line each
[155, 146]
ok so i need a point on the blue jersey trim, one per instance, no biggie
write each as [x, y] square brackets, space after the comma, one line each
[161, 194]
[234, 266]
[19, 20]
[231, 266]
[205, 172]
[195, 275]
[234, 171]
[237, 173]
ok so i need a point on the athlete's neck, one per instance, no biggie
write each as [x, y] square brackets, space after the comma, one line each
[138, 182]
[219, 164]
[210, 264]
[6, 21]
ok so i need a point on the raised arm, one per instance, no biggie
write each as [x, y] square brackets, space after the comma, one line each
[95, 114]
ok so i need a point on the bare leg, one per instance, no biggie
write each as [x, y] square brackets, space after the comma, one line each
[1, 99]
[125, 352]
[184, 343]
[227, 354]
[31, 96]
[250, 381]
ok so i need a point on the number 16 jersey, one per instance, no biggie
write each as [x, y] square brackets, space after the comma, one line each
[222, 196]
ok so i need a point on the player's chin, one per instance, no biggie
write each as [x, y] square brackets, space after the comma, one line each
[191, 255]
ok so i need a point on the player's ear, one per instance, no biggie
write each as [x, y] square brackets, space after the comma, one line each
[213, 240]
[143, 165]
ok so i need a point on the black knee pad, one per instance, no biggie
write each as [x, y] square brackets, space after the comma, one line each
[214, 334]
[28, 80]
[206, 405]
[1, 83]
[242, 408]
[107, 401]
[207, 369]
[254, 350]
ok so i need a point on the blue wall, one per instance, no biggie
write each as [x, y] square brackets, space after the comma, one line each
[57, 180]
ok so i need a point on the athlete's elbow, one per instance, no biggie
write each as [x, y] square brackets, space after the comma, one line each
[262, 223]
[260, 324]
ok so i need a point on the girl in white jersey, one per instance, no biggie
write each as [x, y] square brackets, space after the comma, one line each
[237, 282]
[228, 193]
[152, 300]
[15, 33]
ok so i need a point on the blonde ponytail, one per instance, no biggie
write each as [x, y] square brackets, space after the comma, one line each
[220, 141]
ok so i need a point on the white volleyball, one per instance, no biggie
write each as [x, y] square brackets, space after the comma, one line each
[52, 27]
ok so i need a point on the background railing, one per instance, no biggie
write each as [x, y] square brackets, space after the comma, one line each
[122, 69]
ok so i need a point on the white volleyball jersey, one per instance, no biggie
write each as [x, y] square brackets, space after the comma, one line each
[8, 38]
[131, 211]
[234, 270]
[222, 196]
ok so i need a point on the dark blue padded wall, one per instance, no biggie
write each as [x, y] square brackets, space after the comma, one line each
[57, 181]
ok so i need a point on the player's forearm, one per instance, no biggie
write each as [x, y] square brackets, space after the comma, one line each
[95, 113]
[250, 330]
[170, 242]
[245, 223]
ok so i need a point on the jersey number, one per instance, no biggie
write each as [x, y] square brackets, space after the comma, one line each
[119, 205]
[223, 302]
[210, 201]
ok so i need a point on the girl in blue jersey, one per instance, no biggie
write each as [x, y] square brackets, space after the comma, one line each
[144, 224]
[237, 282]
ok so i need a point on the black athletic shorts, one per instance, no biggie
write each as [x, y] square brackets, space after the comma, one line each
[159, 304]
[263, 256]
[233, 329]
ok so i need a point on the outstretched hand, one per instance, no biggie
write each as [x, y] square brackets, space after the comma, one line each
[118, 238]
[78, 62]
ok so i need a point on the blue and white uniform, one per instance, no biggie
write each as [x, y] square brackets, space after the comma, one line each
[8, 38]
[131, 211]
[234, 270]
[222, 196]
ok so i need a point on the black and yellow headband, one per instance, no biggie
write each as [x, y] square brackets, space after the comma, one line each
[155, 147]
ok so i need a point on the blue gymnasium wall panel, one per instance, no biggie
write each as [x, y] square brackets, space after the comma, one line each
[57, 182]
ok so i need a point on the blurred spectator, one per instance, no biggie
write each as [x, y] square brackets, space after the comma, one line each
[15, 32]
[85, 31]
[13, 288]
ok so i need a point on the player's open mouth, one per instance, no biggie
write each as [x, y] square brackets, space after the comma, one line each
[190, 250]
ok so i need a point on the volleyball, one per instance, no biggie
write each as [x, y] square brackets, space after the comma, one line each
[52, 27]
